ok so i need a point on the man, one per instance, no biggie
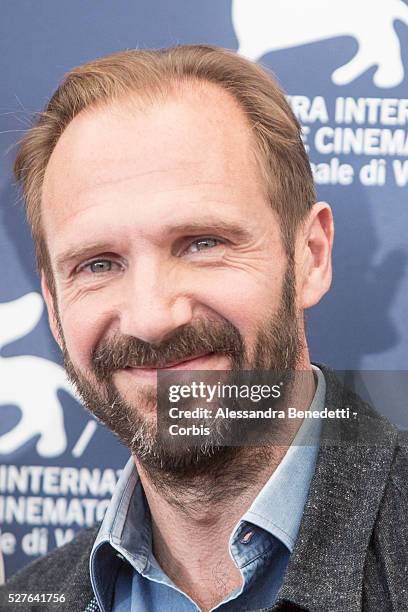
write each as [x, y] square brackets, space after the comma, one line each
[174, 216]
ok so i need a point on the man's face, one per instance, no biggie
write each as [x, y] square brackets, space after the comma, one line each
[164, 251]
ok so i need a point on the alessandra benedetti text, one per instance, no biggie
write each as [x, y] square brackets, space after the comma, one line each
[269, 413]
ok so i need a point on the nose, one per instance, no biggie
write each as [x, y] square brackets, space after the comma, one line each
[154, 303]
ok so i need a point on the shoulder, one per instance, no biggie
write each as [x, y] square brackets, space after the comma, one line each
[63, 570]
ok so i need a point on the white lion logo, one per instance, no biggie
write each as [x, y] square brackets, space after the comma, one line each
[268, 25]
[30, 383]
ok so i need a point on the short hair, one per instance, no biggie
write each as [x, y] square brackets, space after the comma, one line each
[279, 148]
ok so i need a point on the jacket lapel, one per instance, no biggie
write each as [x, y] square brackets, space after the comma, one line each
[325, 571]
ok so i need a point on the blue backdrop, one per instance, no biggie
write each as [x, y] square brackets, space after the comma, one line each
[344, 65]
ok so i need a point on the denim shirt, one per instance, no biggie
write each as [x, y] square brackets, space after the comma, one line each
[260, 544]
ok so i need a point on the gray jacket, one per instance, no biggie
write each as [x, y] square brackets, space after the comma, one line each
[352, 550]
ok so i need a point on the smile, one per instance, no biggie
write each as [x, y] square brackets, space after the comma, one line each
[207, 361]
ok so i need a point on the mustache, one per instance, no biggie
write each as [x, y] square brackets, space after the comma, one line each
[187, 342]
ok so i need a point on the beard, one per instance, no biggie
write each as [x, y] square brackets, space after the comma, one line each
[277, 348]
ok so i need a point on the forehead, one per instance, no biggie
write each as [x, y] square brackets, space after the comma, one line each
[196, 145]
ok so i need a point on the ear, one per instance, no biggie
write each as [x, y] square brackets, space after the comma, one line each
[52, 316]
[315, 255]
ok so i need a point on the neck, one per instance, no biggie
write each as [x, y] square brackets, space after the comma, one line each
[193, 517]
[192, 522]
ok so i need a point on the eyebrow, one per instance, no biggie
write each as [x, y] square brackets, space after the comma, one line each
[78, 253]
[232, 229]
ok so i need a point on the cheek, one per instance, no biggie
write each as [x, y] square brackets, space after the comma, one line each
[246, 300]
[83, 327]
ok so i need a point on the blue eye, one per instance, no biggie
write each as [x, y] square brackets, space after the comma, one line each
[206, 243]
[99, 266]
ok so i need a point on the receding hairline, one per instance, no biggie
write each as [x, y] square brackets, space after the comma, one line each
[140, 102]
[143, 101]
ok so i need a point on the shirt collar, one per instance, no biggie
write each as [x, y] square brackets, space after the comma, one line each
[103, 560]
[278, 508]
[113, 522]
